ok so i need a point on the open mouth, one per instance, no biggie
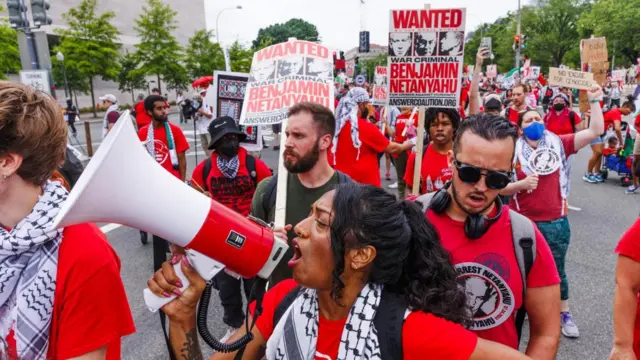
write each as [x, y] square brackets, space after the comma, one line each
[297, 254]
[477, 200]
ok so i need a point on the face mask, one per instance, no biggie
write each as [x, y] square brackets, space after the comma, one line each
[534, 131]
[228, 148]
[558, 107]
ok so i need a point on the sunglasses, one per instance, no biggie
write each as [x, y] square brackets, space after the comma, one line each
[495, 180]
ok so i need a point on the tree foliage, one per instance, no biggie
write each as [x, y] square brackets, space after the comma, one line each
[89, 44]
[202, 55]
[240, 57]
[619, 22]
[10, 55]
[158, 51]
[278, 33]
[130, 78]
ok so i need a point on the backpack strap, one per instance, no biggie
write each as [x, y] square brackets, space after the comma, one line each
[343, 178]
[388, 322]
[270, 193]
[425, 200]
[205, 174]
[572, 119]
[524, 244]
[285, 303]
[250, 162]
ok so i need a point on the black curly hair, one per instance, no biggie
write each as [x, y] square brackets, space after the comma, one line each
[431, 115]
[409, 258]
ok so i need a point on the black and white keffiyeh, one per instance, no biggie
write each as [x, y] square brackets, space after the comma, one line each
[348, 111]
[28, 268]
[228, 168]
[296, 334]
[151, 148]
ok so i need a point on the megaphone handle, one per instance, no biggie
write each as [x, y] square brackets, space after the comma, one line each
[155, 302]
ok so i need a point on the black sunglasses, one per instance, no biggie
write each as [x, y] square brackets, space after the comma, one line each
[496, 180]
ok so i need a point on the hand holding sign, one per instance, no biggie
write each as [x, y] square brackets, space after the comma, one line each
[595, 93]
[530, 183]
[483, 54]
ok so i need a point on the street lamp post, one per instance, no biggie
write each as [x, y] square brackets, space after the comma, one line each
[60, 57]
[224, 51]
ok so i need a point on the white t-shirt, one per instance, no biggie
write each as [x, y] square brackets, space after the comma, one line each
[202, 122]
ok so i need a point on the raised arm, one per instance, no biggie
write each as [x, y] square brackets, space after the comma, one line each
[596, 124]
[474, 92]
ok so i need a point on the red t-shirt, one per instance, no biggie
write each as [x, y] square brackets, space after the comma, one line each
[513, 115]
[236, 193]
[487, 267]
[434, 172]
[611, 116]
[629, 246]
[422, 333]
[113, 117]
[142, 118]
[545, 203]
[162, 145]
[561, 125]
[636, 123]
[363, 169]
[90, 308]
[401, 122]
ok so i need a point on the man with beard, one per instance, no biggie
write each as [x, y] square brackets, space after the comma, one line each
[167, 144]
[230, 177]
[518, 103]
[309, 132]
[479, 233]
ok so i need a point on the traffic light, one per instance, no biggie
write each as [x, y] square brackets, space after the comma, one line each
[523, 42]
[39, 11]
[516, 42]
[17, 14]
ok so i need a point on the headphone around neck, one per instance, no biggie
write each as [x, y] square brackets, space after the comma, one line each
[475, 225]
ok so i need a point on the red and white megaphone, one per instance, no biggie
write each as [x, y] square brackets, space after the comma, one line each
[123, 184]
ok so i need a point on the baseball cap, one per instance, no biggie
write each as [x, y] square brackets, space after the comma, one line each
[492, 102]
[222, 126]
[109, 97]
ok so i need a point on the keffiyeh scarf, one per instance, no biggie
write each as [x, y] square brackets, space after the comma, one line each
[348, 111]
[229, 168]
[151, 148]
[28, 269]
[296, 334]
[552, 142]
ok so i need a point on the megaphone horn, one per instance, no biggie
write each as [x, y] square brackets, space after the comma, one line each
[123, 184]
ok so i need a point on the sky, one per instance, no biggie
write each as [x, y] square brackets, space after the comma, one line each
[338, 21]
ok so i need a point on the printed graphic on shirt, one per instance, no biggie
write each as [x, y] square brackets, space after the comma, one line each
[321, 356]
[495, 262]
[489, 297]
[544, 161]
[234, 193]
[162, 151]
[439, 182]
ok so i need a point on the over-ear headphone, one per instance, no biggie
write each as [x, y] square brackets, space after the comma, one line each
[476, 225]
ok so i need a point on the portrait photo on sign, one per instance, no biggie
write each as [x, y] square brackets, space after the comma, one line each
[451, 43]
[263, 71]
[380, 80]
[400, 44]
[425, 43]
[293, 65]
[320, 68]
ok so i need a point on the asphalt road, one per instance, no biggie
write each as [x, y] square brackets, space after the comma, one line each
[606, 212]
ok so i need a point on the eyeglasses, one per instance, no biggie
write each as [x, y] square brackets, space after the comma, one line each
[495, 180]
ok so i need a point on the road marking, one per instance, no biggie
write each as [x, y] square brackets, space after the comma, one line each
[107, 228]
[574, 208]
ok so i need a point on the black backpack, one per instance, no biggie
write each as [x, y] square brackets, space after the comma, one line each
[270, 192]
[388, 321]
[572, 119]
[72, 167]
[251, 168]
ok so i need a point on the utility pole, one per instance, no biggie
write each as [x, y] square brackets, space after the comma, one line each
[518, 43]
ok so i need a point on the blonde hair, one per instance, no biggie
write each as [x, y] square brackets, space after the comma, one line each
[32, 126]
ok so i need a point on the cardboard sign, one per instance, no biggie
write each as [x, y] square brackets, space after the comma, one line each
[583, 100]
[228, 91]
[380, 82]
[594, 50]
[426, 53]
[492, 71]
[571, 79]
[350, 68]
[485, 42]
[599, 71]
[283, 75]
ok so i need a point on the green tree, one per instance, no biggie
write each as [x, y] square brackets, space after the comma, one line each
[158, 50]
[76, 81]
[240, 57]
[619, 22]
[177, 79]
[10, 58]
[501, 40]
[278, 33]
[202, 56]
[370, 65]
[88, 44]
[130, 77]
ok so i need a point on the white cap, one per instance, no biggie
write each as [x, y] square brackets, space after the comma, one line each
[109, 97]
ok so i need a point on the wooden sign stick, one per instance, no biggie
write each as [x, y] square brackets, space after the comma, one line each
[281, 188]
[419, 145]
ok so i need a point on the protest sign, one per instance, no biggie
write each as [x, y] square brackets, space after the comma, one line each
[535, 72]
[351, 68]
[571, 79]
[593, 50]
[492, 71]
[380, 86]
[599, 71]
[583, 100]
[283, 75]
[228, 93]
[426, 52]
[618, 75]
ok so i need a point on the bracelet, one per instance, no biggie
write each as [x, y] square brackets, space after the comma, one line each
[595, 101]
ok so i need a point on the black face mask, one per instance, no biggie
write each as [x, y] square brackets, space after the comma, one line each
[558, 107]
[228, 148]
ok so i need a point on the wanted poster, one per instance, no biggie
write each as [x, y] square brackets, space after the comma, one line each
[380, 83]
[283, 75]
[426, 53]
[228, 96]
